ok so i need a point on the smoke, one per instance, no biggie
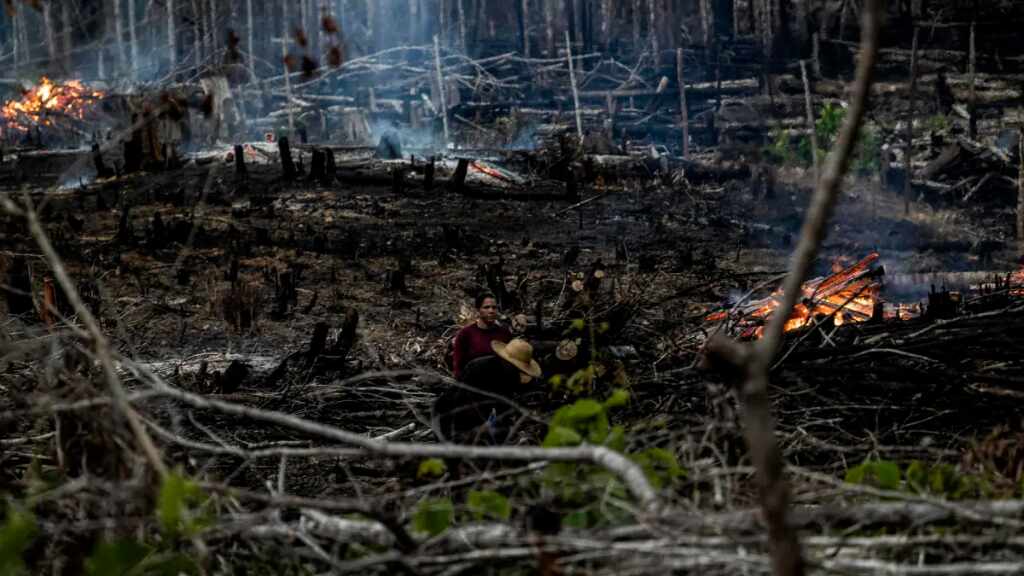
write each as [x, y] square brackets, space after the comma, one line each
[423, 140]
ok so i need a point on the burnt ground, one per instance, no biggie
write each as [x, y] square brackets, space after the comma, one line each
[245, 274]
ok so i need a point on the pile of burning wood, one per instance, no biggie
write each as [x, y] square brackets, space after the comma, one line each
[58, 107]
[850, 295]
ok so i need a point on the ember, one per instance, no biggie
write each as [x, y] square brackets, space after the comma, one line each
[47, 104]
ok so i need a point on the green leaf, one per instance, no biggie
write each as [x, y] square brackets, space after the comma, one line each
[577, 412]
[431, 468]
[942, 479]
[174, 502]
[888, 475]
[917, 476]
[618, 399]
[579, 519]
[578, 324]
[433, 516]
[616, 439]
[660, 466]
[561, 436]
[856, 474]
[16, 535]
[115, 558]
[171, 503]
[489, 504]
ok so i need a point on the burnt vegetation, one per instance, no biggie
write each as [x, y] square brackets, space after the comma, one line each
[769, 255]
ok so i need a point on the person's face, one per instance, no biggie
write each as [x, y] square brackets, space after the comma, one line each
[489, 310]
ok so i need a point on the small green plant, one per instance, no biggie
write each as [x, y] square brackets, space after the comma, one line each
[182, 508]
[433, 516]
[881, 473]
[488, 504]
[937, 123]
[944, 480]
[779, 151]
[869, 148]
[829, 121]
[431, 468]
[16, 534]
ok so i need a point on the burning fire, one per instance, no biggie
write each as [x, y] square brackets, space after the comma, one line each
[1017, 283]
[48, 103]
[850, 295]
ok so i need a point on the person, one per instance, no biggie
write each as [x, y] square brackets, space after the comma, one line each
[474, 340]
[477, 412]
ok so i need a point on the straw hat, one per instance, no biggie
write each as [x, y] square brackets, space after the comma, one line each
[519, 353]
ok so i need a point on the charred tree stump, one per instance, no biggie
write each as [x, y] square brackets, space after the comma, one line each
[317, 167]
[133, 153]
[394, 281]
[231, 380]
[330, 168]
[428, 173]
[458, 182]
[319, 340]
[346, 338]
[571, 189]
[102, 170]
[287, 165]
[125, 234]
[398, 180]
[157, 233]
[241, 174]
[18, 289]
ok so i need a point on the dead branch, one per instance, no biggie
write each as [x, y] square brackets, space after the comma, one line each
[753, 363]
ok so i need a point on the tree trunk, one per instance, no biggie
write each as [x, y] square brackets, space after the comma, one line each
[172, 37]
[525, 23]
[51, 35]
[133, 41]
[684, 112]
[251, 44]
[462, 22]
[550, 11]
[211, 29]
[910, 126]
[197, 37]
[442, 22]
[653, 30]
[606, 24]
[972, 111]
[65, 19]
[414, 6]
[1020, 197]
[637, 41]
[119, 35]
[570, 18]
[15, 32]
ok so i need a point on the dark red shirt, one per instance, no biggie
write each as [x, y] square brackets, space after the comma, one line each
[473, 342]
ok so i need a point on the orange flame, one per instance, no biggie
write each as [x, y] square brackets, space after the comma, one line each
[47, 103]
[1017, 283]
[849, 296]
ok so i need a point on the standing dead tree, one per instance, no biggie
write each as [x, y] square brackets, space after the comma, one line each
[751, 363]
